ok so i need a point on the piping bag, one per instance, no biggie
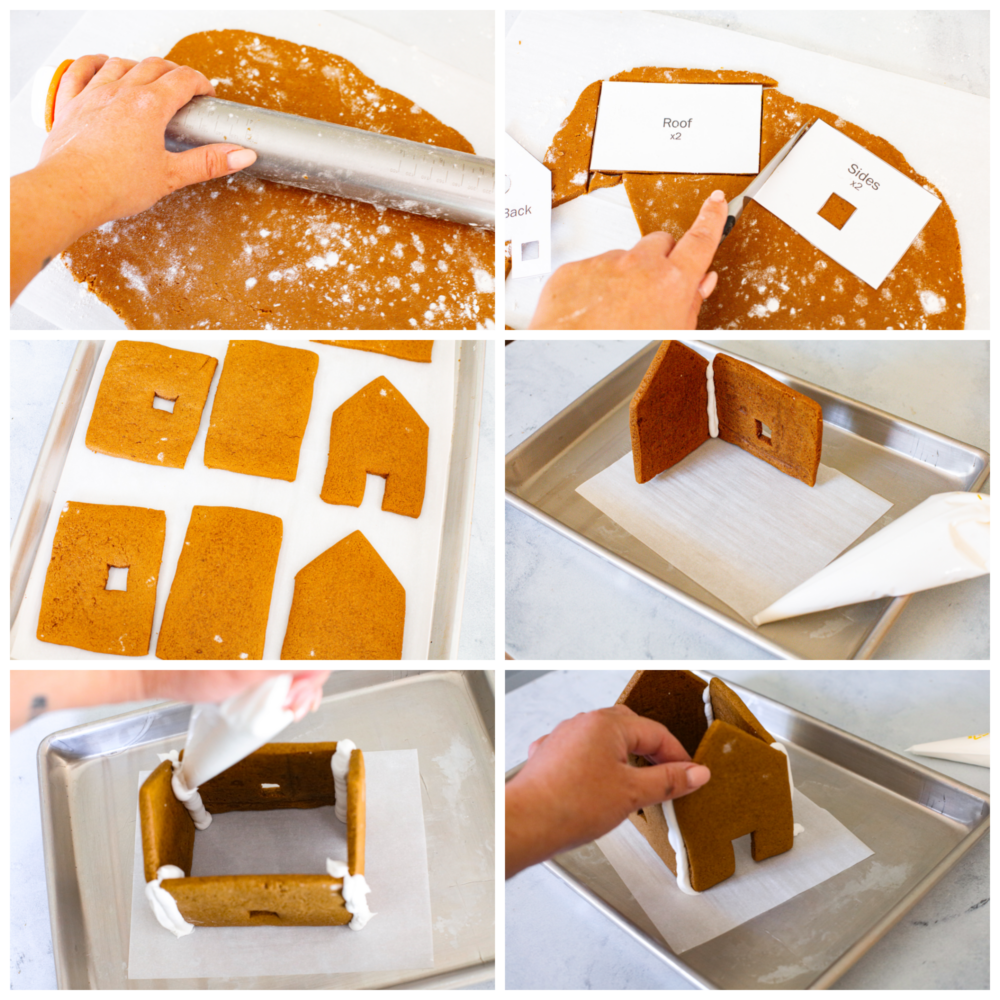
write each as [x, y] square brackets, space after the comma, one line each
[319, 156]
[945, 539]
[964, 749]
[221, 735]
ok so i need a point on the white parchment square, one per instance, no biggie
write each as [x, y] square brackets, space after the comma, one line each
[300, 840]
[824, 848]
[734, 524]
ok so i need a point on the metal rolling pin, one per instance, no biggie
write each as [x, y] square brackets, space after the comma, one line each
[346, 162]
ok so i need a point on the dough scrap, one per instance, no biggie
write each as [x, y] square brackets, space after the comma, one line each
[241, 253]
[770, 278]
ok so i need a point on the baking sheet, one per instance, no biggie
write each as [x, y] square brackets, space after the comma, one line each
[785, 531]
[299, 841]
[551, 56]
[409, 546]
[456, 98]
[918, 822]
[896, 459]
[87, 779]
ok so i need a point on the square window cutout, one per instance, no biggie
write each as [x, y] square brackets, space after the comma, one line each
[763, 432]
[836, 211]
[529, 251]
[159, 403]
[117, 578]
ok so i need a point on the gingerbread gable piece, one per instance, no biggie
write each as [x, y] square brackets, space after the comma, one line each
[277, 776]
[348, 605]
[377, 431]
[750, 787]
[668, 416]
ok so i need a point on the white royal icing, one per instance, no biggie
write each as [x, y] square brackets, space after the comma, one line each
[354, 890]
[677, 843]
[339, 764]
[164, 906]
[189, 796]
[706, 697]
[713, 412]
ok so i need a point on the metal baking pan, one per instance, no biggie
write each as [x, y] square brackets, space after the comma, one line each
[449, 583]
[898, 460]
[87, 780]
[875, 793]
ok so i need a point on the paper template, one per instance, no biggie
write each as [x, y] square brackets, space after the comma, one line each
[889, 208]
[734, 524]
[399, 936]
[680, 128]
[822, 850]
[527, 216]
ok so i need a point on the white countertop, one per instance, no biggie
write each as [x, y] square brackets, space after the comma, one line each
[562, 602]
[555, 940]
[38, 368]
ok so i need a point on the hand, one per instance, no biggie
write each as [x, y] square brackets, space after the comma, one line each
[218, 685]
[578, 783]
[105, 159]
[659, 284]
[110, 118]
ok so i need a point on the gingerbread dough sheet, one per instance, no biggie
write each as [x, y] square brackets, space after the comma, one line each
[770, 278]
[241, 253]
[410, 547]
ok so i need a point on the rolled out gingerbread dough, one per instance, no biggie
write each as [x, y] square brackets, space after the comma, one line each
[241, 253]
[770, 278]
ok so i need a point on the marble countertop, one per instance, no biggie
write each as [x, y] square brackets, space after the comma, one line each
[555, 940]
[950, 48]
[38, 369]
[562, 602]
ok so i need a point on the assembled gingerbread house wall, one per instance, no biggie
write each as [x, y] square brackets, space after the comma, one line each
[749, 791]
[277, 776]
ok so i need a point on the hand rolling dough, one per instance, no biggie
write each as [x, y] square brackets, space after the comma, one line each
[240, 253]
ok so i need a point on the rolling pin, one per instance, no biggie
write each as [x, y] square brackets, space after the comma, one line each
[332, 159]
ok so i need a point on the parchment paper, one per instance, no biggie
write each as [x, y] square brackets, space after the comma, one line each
[410, 546]
[296, 841]
[823, 849]
[739, 527]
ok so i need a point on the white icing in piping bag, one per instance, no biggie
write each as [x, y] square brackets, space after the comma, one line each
[943, 540]
[964, 749]
[221, 735]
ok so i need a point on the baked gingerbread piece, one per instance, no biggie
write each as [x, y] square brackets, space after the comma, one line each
[668, 415]
[261, 409]
[749, 791]
[348, 605]
[302, 774]
[408, 350]
[77, 608]
[767, 419]
[759, 288]
[377, 431]
[221, 592]
[126, 423]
